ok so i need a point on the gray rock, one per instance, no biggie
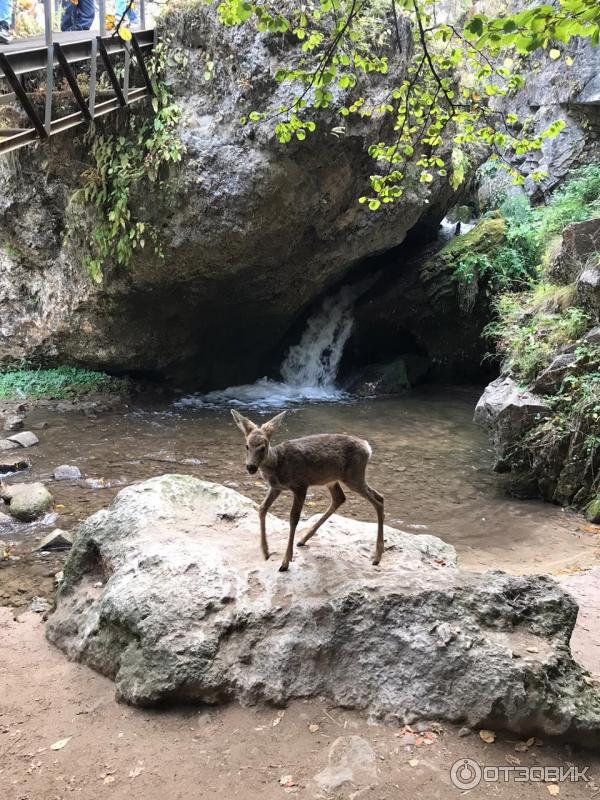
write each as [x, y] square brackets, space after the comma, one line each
[506, 411]
[67, 473]
[588, 290]
[13, 422]
[28, 501]
[351, 760]
[56, 540]
[39, 605]
[166, 592]
[5, 520]
[6, 444]
[13, 462]
[24, 439]
[552, 377]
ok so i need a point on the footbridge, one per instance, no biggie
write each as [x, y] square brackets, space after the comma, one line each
[56, 81]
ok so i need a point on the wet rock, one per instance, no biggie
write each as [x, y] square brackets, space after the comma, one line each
[167, 593]
[397, 377]
[5, 520]
[39, 605]
[506, 411]
[24, 439]
[465, 732]
[6, 444]
[351, 760]
[13, 423]
[592, 512]
[580, 241]
[552, 377]
[418, 306]
[56, 540]
[13, 462]
[67, 473]
[29, 501]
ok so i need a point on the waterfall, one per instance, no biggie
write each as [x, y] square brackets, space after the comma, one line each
[309, 369]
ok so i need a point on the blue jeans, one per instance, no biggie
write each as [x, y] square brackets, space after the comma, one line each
[77, 18]
[6, 9]
[120, 6]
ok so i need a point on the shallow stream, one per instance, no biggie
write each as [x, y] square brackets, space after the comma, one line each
[429, 460]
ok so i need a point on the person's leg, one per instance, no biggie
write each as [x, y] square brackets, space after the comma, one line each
[67, 20]
[87, 12]
[78, 17]
[6, 9]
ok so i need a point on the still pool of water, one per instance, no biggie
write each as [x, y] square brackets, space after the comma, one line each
[429, 460]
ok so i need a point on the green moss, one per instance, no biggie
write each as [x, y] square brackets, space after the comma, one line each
[58, 384]
[592, 512]
[484, 237]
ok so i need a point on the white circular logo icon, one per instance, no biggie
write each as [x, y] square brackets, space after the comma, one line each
[465, 773]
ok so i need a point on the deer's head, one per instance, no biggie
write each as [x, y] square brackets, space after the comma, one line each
[257, 438]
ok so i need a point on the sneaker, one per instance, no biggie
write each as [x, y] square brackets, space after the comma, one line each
[5, 33]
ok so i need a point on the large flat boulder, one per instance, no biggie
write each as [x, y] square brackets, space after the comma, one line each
[166, 592]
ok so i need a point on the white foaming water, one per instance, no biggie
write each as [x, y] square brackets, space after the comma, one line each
[308, 371]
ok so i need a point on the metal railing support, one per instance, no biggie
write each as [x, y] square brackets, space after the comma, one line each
[102, 15]
[49, 36]
[93, 70]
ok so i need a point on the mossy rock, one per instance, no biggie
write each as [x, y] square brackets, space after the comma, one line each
[483, 238]
[592, 512]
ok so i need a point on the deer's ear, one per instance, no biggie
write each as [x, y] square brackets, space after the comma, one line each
[271, 426]
[245, 425]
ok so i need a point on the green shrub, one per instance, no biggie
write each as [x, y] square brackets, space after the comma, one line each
[58, 384]
[528, 334]
[576, 201]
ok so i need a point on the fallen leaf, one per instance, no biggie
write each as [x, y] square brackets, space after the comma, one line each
[276, 721]
[414, 762]
[109, 779]
[532, 650]
[531, 741]
[510, 759]
[553, 789]
[314, 728]
[60, 743]
[521, 747]
[287, 781]
[487, 736]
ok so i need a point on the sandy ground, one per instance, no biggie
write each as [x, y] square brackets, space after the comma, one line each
[114, 751]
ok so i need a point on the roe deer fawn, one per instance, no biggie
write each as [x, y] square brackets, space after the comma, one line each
[325, 459]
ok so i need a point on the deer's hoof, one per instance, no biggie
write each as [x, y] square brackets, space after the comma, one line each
[301, 544]
[376, 561]
[283, 568]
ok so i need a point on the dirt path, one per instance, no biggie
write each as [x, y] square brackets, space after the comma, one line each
[117, 752]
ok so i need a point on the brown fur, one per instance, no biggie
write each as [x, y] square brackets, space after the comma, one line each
[323, 459]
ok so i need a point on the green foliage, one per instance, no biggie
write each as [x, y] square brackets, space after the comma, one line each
[529, 336]
[577, 201]
[58, 384]
[444, 101]
[121, 165]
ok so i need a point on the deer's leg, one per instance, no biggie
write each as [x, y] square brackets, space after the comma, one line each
[299, 498]
[376, 500]
[262, 515]
[337, 498]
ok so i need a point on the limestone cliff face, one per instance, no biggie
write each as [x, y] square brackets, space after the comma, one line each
[254, 231]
